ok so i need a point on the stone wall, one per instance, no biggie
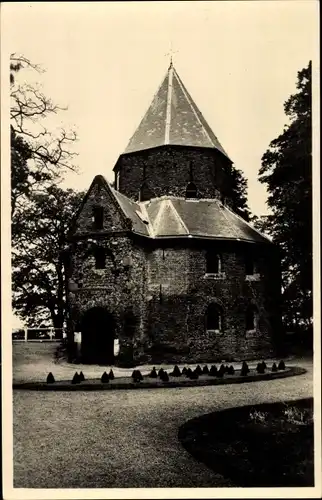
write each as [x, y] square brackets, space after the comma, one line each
[167, 171]
[179, 292]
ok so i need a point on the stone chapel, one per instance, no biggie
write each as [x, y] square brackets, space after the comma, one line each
[159, 263]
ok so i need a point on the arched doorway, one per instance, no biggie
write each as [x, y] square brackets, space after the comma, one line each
[98, 329]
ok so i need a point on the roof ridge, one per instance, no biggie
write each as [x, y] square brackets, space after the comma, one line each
[178, 217]
[191, 103]
[146, 215]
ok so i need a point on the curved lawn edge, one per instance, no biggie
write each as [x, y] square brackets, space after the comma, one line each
[222, 422]
[97, 385]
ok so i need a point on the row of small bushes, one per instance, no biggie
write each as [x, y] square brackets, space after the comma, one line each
[213, 371]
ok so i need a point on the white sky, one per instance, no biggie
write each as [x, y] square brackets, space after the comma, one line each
[239, 61]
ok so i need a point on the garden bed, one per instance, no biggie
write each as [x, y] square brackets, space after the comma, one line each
[269, 445]
[153, 383]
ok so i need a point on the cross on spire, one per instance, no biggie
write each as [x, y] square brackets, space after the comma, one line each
[171, 53]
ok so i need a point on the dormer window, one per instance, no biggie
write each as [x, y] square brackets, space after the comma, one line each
[98, 217]
[191, 191]
[213, 263]
[100, 258]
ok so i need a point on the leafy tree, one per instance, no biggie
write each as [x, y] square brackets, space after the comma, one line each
[38, 277]
[238, 193]
[287, 172]
[39, 156]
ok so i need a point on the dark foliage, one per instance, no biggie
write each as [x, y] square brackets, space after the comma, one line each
[287, 172]
[176, 372]
[137, 376]
[50, 378]
[231, 370]
[111, 375]
[244, 369]
[221, 372]
[213, 371]
[153, 373]
[81, 377]
[76, 378]
[260, 367]
[205, 370]
[281, 365]
[198, 370]
[274, 367]
[105, 378]
[164, 376]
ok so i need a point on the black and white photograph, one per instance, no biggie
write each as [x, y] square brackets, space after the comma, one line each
[160, 241]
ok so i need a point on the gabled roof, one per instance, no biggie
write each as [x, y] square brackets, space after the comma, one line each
[172, 217]
[173, 118]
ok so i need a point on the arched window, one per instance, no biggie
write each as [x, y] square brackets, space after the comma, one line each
[98, 217]
[191, 190]
[251, 318]
[145, 192]
[213, 262]
[100, 258]
[214, 318]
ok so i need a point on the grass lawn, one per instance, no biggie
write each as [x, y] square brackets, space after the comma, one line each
[269, 445]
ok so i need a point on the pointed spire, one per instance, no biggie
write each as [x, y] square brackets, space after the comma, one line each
[173, 118]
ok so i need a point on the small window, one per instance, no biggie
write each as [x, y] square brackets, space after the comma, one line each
[191, 191]
[249, 266]
[98, 217]
[214, 318]
[251, 318]
[213, 263]
[99, 258]
[117, 181]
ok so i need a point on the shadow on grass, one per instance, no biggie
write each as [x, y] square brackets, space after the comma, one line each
[268, 445]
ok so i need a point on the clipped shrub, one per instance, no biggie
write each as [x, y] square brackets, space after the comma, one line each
[105, 378]
[160, 372]
[111, 375]
[213, 371]
[244, 369]
[164, 376]
[221, 372]
[205, 370]
[81, 377]
[184, 370]
[50, 378]
[198, 370]
[189, 373]
[281, 365]
[194, 374]
[274, 367]
[76, 379]
[264, 365]
[137, 376]
[260, 368]
[153, 373]
[176, 372]
[231, 370]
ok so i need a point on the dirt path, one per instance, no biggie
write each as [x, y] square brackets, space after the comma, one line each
[120, 439]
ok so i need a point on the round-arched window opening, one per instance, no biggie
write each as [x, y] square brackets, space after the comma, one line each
[191, 191]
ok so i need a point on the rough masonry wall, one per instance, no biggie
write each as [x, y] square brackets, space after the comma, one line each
[166, 171]
[178, 295]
